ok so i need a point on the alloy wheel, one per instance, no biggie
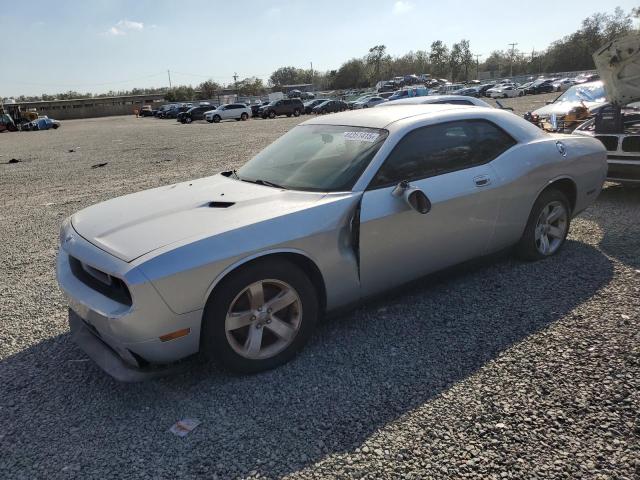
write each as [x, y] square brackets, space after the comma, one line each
[263, 319]
[551, 228]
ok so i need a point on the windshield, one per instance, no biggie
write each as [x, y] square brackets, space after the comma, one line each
[322, 158]
[584, 93]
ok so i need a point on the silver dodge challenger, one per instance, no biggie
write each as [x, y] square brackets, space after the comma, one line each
[239, 266]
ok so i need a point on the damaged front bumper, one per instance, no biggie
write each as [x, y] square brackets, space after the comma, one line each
[110, 361]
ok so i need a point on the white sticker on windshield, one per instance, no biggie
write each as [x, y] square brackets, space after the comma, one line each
[361, 136]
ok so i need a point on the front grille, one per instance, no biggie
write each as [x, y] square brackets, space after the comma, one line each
[631, 144]
[110, 287]
[609, 142]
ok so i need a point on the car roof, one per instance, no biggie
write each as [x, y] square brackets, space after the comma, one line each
[381, 117]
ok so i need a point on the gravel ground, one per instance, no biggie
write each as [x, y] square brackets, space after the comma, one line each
[499, 369]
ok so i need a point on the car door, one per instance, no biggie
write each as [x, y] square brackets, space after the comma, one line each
[451, 164]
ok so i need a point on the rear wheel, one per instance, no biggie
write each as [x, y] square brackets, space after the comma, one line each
[260, 316]
[547, 227]
[296, 112]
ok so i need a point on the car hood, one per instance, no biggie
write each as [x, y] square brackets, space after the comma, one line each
[562, 108]
[134, 225]
[618, 63]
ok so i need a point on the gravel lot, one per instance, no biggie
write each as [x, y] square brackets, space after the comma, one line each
[500, 369]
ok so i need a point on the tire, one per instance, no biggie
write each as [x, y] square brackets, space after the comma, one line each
[188, 120]
[244, 117]
[531, 245]
[296, 112]
[272, 114]
[505, 96]
[216, 119]
[229, 346]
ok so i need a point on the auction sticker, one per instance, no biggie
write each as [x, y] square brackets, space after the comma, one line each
[361, 136]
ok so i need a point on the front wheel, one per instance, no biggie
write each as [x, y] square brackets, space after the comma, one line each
[260, 316]
[216, 119]
[188, 120]
[244, 117]
[547, 227]
[296, 113]
[272, 114]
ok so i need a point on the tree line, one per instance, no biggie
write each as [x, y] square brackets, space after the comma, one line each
[456, 62]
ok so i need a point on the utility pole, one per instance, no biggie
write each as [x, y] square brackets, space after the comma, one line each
[169, 74]
[513, 49]
[478, 55]
[235, 81]
[312, 75]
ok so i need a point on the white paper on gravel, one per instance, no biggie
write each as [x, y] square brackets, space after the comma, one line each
[183, 427]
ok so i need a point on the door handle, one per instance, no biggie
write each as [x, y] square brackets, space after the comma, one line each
[482, 180]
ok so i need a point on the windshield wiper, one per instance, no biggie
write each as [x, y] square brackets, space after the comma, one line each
[266, 183]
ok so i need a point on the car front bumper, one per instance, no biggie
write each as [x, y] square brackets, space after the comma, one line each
[130, 332]
[108, 359]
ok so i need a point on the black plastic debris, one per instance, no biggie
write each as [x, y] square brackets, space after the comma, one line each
[98, 165]
[14, 160]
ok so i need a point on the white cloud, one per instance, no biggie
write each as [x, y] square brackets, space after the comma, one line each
[125, 26]
[401, 6]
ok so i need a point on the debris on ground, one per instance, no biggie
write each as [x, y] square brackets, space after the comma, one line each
[98, 165]
[183, 427]
[14, 160]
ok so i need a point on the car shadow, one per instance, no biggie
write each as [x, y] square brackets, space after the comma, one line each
[617, 216]
[361, 371]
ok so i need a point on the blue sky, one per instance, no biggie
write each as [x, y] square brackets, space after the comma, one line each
[98, 45]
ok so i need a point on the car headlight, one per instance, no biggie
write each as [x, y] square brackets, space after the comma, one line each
[65, 230]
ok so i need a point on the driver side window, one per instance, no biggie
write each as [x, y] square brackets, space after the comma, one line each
[438, 149]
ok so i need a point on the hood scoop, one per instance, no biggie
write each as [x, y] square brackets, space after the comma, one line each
[217, 204]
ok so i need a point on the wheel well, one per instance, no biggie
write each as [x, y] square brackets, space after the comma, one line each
[304, 263]
[568, 187]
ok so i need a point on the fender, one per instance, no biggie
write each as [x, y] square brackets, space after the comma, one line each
[250, 258]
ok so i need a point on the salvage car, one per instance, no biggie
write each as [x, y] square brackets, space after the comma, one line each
[508, 91]
[232, 111]
[194, 113]
[571, 108]
[617, 124]
[622, 142]
[330, 106]
[368, 102]
[284, 106]
[308, 106]
[437, 100]
[239, 266]
[41, 123]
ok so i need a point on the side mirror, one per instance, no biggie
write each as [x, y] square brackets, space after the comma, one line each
[413, 197]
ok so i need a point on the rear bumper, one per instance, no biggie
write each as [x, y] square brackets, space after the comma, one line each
[107, 359]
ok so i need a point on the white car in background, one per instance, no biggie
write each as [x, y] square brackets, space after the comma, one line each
[368, 102]
[232, 111]
[437, 100]
[563, 84]
[508, 91]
